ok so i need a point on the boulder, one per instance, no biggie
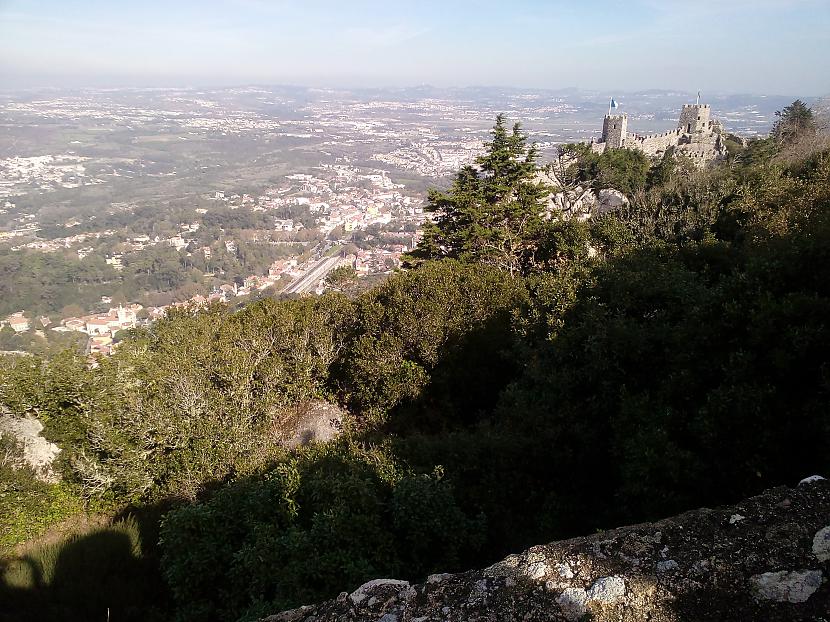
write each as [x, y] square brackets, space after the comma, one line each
[311, 421]
[610, 200]
[38, 453]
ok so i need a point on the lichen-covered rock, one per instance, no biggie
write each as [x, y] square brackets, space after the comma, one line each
[763, 559]
[38, 453]
[821, 544]
[610, 200]
[788, 586]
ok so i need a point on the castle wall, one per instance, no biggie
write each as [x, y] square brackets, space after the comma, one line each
[653, 144]
[703, 147]
[697, 136]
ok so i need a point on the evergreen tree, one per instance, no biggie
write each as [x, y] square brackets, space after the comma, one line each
[494, 211]
[795, 121]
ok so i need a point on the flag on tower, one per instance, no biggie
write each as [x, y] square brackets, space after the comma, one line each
[614, 103]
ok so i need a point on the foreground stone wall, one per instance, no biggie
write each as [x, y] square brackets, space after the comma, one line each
[767, 558]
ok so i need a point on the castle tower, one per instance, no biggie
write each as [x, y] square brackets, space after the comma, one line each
[614, 130]
[694, 118]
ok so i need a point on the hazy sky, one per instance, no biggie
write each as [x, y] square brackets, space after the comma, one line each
[759, 46]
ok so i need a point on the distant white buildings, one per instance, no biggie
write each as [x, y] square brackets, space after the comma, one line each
[102, 327]
[17, 322]
[178, 242]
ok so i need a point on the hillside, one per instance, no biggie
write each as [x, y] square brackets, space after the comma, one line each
[530, 377]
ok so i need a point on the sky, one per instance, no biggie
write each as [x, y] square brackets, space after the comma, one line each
[727, 46]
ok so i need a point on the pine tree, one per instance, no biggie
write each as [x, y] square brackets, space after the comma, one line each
[494, 211]
[794, 122]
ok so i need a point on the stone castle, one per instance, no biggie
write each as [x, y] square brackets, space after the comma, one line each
[697, 136]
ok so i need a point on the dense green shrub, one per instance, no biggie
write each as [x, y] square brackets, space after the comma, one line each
[330, 518]
[413, 337]
[28, 506]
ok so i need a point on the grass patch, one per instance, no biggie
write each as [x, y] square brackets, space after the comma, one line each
[27, 512]
[98, 573]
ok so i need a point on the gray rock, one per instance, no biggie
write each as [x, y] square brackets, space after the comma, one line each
[38, 453]
[667, 565]
[610, 200]
[312, 421]
[573, 602]
[608, 590]
[537, 571]
[367, 589]
[793, 587]
[821, 544]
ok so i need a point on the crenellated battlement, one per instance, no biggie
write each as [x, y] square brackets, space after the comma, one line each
[696, 135]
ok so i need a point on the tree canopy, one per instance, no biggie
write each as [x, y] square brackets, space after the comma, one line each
[494, 210]
[794, 122]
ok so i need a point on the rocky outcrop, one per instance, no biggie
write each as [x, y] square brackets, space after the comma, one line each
[578, 202]
[311, 421]
[767, 558]
[38, 453]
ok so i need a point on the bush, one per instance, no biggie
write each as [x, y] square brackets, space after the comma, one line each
[329, 519]
[413, 337]
[28, 506]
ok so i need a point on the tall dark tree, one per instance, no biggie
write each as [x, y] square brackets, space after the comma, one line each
[494, 211]
[794, 122]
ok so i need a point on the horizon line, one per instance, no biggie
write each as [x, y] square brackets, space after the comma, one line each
[358, 87]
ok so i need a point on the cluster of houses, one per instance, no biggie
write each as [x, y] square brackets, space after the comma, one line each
[344, 196]
[378, 260]
[51, 246]
[341, 196]
[101, 327]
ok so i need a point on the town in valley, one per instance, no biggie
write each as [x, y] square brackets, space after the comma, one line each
[125, 203]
